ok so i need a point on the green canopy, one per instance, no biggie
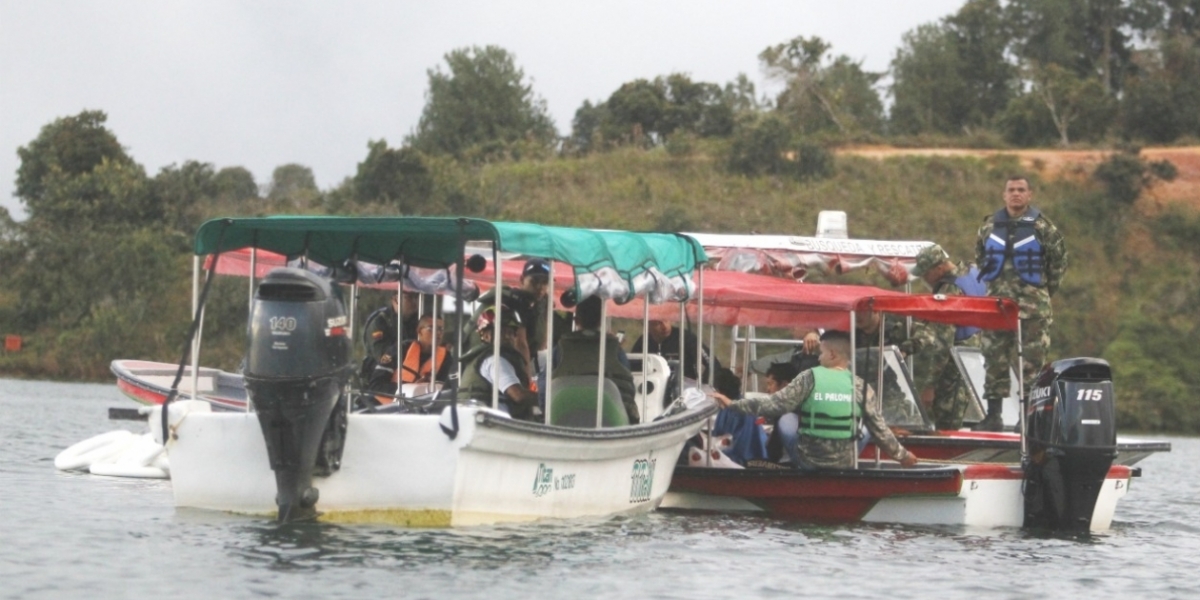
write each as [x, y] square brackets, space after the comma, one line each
[636, 260]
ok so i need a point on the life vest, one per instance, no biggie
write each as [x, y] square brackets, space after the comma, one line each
[1015, 241]
[970, 285]
[830, 411]
[413, 370]
[475, 386]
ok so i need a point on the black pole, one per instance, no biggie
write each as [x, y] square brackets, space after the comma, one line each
[187, 344]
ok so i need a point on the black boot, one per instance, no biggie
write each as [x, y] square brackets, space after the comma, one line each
[993, 421]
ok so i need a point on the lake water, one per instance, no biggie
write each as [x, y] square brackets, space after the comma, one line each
[74, 536]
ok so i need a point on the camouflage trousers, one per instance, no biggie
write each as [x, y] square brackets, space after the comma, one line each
[950, 399]
[1000, 354]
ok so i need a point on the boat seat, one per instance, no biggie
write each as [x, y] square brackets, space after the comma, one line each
[573, 403]
[650, 375]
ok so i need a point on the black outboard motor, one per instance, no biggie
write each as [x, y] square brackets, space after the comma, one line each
[1072, 436]
[297, 369]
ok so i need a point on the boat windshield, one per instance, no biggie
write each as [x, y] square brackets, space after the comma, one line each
[900, 406]
[971, 365]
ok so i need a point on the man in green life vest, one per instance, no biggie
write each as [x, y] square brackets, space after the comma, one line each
[480, 368]
[830, 403]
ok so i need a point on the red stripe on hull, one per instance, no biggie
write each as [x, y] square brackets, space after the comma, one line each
[823, 497]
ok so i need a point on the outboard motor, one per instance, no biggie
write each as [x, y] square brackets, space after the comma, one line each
[1072, 440]
[297, 370]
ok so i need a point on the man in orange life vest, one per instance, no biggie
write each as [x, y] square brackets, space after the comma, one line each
[418, 357]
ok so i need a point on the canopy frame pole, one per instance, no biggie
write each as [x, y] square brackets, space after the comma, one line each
[699, 331]
[549, 346]
[200, 331]
[854, 371]
[433, 343]
[497, 309]
[646, 352]
[878, 377]
[600, 377]
[250, 307]
[682, 346]
[396, 360]
[1021, 399]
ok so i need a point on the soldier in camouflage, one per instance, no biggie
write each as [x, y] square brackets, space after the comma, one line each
[1021, 255]
[935, 374]
[828, 440]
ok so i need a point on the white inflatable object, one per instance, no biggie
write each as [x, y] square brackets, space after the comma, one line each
[136, 460]
[80, 456]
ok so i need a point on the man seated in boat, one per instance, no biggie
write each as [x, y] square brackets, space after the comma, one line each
[479, 368]
[665, 340]
[379, 332]
[419, 357]
[578, 353]
[830, 402]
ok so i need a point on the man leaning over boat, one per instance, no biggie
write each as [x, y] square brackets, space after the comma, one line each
[830, 402]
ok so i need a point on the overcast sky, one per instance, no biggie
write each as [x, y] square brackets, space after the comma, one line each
[260, 84]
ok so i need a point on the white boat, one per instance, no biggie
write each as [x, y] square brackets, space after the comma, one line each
[437, 460]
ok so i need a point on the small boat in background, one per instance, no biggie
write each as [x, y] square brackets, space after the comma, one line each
[149, 383]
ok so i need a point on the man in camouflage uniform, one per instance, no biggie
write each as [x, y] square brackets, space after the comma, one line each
[379, 333]
[818, 445]
[1021, 255]
[935, 374]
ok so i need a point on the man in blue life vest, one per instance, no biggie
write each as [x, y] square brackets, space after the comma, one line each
[830, 402]
[938, 381]
[1021, 255]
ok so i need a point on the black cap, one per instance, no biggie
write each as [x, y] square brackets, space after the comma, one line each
[536, 266]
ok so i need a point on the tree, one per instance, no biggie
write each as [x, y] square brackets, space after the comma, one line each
[235, 184]
[823, 95]
[953, 76]
[1071, 99]
[293, 185]
[927, 93]
[396, 176]
[760, 147]
[1089, 38]
[67, 147]
[482, 99]
[184, 192]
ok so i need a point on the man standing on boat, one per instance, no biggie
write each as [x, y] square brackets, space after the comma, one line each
[1021, 255]
[479, 368]
[530, 302]
[830, 402]
[937, 378]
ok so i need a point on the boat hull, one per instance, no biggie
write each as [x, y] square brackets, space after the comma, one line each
[404, 469]
[149, 383]
[985, 495]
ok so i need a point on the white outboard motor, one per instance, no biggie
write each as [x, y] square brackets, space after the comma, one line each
[298, 365]
[1072, 437]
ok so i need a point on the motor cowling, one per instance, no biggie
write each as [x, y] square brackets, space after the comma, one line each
[1070, 420]
[298, 365]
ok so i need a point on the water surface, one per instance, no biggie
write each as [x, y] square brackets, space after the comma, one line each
[74, 536]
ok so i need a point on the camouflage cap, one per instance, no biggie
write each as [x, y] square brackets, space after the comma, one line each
[928, 258]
